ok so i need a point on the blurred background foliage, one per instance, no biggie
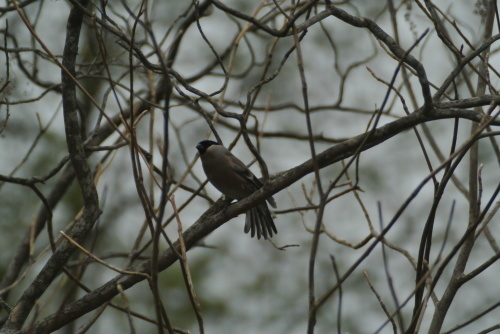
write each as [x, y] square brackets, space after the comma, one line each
[243, 285]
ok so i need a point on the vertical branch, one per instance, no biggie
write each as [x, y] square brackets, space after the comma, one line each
[186, 272]
[388, 275]
[147, 203]
[83, 173]
[474, 210]
[317, 228]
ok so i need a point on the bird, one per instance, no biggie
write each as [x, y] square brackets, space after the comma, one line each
[232, 178]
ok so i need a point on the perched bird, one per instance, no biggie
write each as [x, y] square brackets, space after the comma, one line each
[233, 178]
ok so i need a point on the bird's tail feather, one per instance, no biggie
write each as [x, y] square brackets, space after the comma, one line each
[259, 220]
[271, 202]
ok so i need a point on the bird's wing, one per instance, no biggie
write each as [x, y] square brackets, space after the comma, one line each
[243, 170]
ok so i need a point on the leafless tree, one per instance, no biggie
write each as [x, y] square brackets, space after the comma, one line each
[378, 121]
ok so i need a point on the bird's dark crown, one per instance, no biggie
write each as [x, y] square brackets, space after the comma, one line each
[204, 144]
